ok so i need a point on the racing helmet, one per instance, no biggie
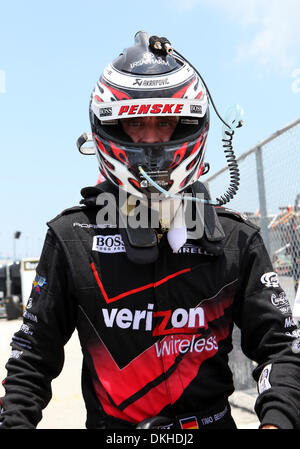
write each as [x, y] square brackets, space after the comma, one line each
[144, 82]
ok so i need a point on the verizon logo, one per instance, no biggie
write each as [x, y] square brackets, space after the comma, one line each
[159, 322]
[176, 346]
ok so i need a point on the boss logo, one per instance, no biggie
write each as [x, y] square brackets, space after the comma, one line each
[196, 109]
[105, 112]
[108, 244]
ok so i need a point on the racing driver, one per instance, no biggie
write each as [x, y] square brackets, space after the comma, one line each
[154, 305]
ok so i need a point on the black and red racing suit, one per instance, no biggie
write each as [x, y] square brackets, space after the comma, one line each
[155, 336]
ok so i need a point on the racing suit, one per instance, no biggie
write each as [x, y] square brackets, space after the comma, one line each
[155, 332]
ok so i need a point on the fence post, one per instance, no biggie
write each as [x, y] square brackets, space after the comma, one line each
[262, 197]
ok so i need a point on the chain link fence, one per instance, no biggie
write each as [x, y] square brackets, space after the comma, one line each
[269, 195]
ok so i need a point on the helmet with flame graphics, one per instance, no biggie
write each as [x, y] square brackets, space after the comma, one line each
[144, 83]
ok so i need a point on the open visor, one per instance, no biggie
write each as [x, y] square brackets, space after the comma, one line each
[148, 107]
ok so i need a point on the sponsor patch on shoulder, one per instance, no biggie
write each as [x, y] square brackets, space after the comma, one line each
[264, 379]
[296, 346]
[110, 244]
[38, 282]
[270, 279]
[189, 423]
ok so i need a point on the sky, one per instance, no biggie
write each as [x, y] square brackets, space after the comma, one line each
[52, 54]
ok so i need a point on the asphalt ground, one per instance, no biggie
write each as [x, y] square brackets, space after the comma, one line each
[66, 410]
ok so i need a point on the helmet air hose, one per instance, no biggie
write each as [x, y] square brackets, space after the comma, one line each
[163, 44]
